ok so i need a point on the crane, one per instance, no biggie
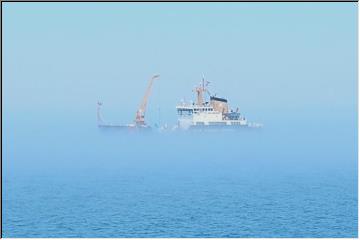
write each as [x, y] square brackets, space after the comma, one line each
[140, 113]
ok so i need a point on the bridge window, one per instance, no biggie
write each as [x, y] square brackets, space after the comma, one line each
[185, 112]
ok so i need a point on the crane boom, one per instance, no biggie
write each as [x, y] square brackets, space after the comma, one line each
[140, 113]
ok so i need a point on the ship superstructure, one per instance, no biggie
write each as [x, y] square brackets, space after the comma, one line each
[212, 113]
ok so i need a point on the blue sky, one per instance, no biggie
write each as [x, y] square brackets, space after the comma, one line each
[268, 59]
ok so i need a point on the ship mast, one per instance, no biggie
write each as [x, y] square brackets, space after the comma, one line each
[100, 121]
[200, 92]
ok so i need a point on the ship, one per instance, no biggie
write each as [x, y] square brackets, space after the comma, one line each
[211, 113]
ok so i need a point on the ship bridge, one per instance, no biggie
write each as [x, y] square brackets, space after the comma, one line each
[188, 110]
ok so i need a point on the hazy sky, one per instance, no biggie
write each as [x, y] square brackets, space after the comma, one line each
[266, 58]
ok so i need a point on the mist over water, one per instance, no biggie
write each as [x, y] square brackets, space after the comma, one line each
[284, 180]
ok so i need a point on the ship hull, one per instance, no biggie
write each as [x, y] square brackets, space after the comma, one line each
[124, 127]
[211, 126]
[215, 127]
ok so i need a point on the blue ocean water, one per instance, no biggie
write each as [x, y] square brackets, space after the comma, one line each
[290, 179]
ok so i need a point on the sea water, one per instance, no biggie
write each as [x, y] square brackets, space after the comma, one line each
[292, 178]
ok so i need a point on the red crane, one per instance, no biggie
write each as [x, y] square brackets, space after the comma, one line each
[140, 113]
